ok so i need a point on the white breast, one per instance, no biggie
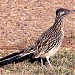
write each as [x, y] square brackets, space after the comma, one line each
[52, 52]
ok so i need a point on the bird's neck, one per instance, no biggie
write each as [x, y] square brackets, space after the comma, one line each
[58, 22]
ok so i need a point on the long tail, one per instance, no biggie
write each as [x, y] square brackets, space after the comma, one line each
[15, 56]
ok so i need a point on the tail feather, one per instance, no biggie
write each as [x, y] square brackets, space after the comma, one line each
[11, 58]
[11, 55]
[15, 56]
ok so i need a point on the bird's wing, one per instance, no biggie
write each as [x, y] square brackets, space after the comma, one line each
[47, 41]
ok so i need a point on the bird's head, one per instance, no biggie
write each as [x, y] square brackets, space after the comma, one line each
[63, 12]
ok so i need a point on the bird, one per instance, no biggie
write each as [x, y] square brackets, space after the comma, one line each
[47, 44]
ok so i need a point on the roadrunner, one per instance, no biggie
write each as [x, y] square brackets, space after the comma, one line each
[47, 44]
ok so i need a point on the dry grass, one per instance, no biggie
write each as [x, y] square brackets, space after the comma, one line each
[63, 64]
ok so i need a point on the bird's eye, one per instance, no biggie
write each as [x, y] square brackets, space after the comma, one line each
[61, 13]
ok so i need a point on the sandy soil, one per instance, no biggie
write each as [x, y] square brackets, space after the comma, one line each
[23, 21]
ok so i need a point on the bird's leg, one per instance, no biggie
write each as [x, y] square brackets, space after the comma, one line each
[41, 62]
[47, 58]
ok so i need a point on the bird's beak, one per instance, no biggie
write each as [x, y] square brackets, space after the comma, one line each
[72, 11]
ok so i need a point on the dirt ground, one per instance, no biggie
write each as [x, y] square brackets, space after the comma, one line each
[23, 21]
